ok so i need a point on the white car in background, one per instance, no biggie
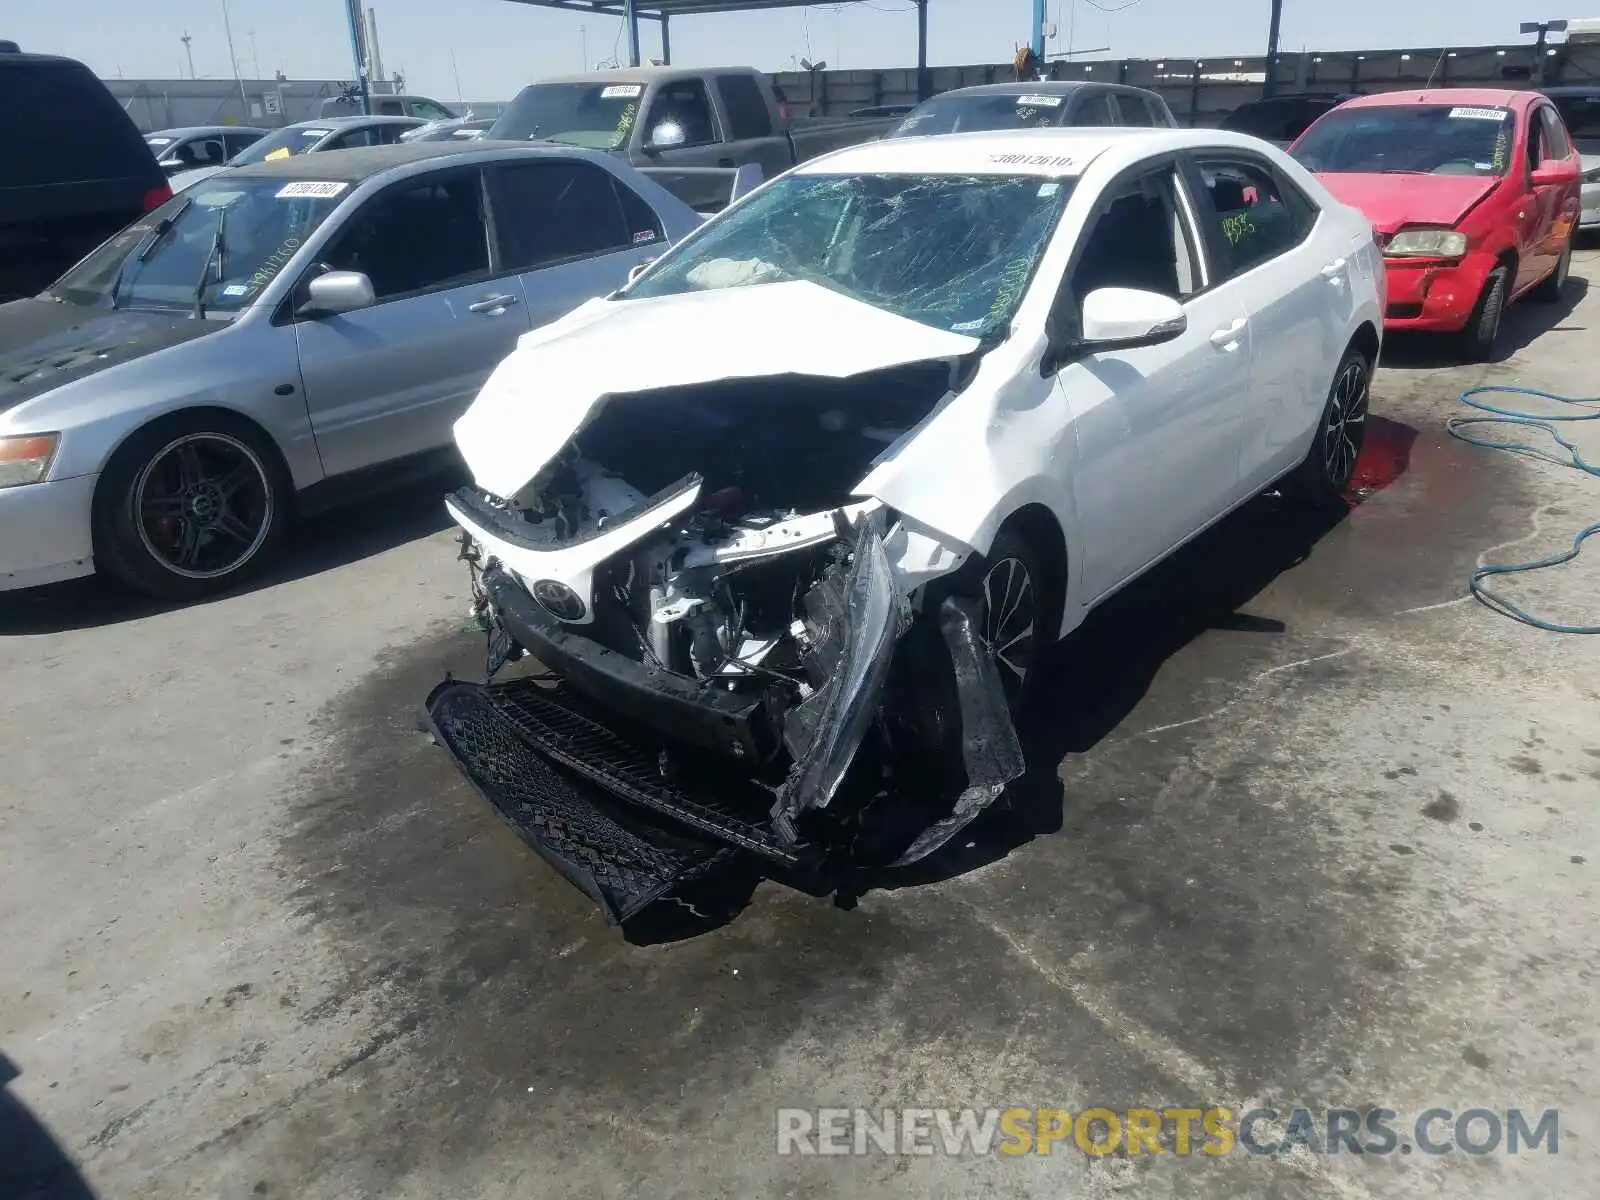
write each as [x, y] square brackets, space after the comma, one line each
[955, 389]
[308, 137]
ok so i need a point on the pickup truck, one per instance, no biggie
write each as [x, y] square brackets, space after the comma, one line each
[664, 117]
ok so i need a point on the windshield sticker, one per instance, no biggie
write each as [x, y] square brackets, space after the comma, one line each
[969, 326]
[1048, 189]
[1039, 101]
[1031, 160]
[280, 152]
[236, 289]
[622, 91]
[158, 141]
[643, 236]
[315, 132]
[317, 190]
[1476, 114]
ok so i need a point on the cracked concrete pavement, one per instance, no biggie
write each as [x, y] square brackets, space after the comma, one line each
[1304, 826]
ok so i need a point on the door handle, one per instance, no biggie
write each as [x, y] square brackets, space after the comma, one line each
[492, 304]
[1335, 269]
[1228, 336]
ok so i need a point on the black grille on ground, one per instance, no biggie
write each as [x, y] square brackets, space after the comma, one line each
[622, 862]
[551, 719]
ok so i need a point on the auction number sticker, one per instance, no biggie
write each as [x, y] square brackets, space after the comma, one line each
[622, 91]
[311, 189]
[1039, 101]
[1476, 114]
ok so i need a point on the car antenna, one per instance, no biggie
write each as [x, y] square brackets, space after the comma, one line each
[1436, 67]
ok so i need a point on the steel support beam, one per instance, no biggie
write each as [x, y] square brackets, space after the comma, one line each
[922, 50]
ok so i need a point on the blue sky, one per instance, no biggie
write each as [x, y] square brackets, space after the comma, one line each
[499, 45]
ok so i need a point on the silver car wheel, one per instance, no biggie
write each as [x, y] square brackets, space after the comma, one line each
[1347, 419]
[203, 505]
[1008, 619]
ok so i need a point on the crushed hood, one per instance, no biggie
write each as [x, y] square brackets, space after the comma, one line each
[1392, 201]
[560, 375]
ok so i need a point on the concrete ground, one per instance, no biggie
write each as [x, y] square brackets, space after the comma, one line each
[1307, 827]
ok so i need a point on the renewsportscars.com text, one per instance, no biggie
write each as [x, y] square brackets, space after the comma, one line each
[1180, 1131]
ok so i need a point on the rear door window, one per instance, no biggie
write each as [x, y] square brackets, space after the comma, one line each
[1255, 214]
[553, 212]
[746, 107]
[59, 124]
[685, 104]
[1094, 109]
[1132, 110]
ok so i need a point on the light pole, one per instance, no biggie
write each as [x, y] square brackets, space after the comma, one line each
[233, 60]
[1543, 29]
[1274, 25]
[187, 51]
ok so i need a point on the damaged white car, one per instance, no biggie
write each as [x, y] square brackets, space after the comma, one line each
[787, 520]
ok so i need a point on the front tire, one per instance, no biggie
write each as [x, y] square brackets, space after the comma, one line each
[190, 506]
[1481, 337]
[1330, 464]
[1013, 592]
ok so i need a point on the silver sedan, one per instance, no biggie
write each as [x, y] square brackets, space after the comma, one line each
[274, 336]
[308, 137]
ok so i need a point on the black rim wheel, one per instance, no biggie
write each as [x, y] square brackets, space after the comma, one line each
[203, 505]
[1010, 607]
[1347, 423]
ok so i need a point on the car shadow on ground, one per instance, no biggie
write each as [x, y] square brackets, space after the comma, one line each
[313, 545]
[32, 1163]
[1092, 682]
[1525, 322]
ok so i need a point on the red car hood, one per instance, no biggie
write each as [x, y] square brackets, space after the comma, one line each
[1390, 201]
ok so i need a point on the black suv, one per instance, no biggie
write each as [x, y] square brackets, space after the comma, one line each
[73, 169]
[1283, 118]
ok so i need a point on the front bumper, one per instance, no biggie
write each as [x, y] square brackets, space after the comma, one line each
[45, 532]
[1434, 297]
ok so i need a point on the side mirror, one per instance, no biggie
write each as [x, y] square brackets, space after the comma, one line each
[170, 165]
[667, 135]
[1125, 318]
[1558, 173]
[338, 292]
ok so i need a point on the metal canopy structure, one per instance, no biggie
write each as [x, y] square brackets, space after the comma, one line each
[662, 11]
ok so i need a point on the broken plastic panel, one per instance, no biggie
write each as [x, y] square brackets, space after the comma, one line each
[829, 726]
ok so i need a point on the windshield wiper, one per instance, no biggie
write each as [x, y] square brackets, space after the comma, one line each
[151, 240]
[216, 253]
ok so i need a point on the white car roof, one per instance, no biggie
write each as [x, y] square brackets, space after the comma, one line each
[1055, 152]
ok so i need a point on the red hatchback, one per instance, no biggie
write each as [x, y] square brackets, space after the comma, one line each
[1474, 194]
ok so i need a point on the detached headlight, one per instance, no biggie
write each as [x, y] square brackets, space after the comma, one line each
[1426, 243]
[25, 459]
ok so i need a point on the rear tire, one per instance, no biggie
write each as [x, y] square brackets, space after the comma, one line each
[190, 506]
[1321, 478]
[1481, 338]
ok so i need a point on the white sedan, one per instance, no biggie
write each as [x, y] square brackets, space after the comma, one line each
[950, 390]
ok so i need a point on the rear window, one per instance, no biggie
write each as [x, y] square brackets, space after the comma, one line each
[1581, 115]
[61, 125]
[958, 113]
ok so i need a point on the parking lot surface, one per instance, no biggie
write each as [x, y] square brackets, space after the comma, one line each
[1304, 827]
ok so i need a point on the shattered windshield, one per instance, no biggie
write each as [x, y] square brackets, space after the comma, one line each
[596, 116]
[161, 261]
[970, 113]
[1410, 139]
[953, 251]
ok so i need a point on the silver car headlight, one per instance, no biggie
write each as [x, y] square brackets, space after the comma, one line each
[1426, 243]
[26, 459]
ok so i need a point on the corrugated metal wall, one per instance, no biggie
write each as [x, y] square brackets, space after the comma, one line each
[1202, 92]
[165, 103]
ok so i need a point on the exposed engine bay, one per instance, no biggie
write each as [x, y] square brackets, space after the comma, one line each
[699, 578]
